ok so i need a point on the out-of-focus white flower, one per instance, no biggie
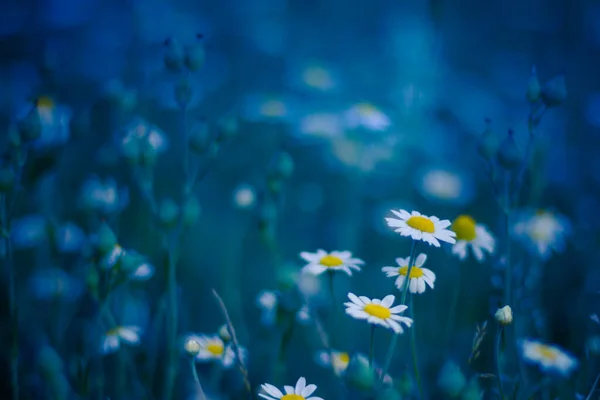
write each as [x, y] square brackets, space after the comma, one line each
[103, 196]
[419, 276]
[55, 122]
[316, 76]
[445, 186]
[471, 234]
[541, 231]
[141, 139]
[244, 197]
[301, 391]
[54, 283]
[325, 125]
[504, 315]
[366, 116]
[421, 227]
[322, 261]
[69, 238]
[113, 338]
[549, 358]
[266, 108]
[379, 312]
[29, 231]
[143, 272]
[336, 360]
[212, 348]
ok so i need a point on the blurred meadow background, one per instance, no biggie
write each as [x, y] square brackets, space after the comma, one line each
[189, 191]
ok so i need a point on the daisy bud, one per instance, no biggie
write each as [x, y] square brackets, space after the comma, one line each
[174, 56]
[283, 165]
[199, 138]
[534, 90]
[486, 142]
[359, 374]
[183, 93]
[508, 155]
[224, 333]
[554, 92]
[191, 347]
[504, 315]
[168, 213]
[191, 211]
[30, 127]
[195, 55]
[227, 127]
[105, 239]
[7, 179]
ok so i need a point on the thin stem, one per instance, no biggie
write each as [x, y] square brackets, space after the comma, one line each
[14, 354]
[593, 389]
[413, 346]
[390, 353]
[498, 354]
[372, 346]
[171, 324]
[199, 391]
[332, 291]
[508, 264]
[453, 303]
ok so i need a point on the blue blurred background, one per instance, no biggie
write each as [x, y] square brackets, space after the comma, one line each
[305, 122]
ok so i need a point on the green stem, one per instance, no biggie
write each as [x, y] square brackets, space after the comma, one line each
[413, 345]
[12, 301]
[498, 354]
[453, 304]
[372, 346]
[390, 353]
[508, 264]
[171, 368]
[286, 339]
[215, 376]
[199, 391]
[332, 292]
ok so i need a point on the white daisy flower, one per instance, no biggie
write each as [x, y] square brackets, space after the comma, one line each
[213, 348]
[113, 338]
[367, 116]
[419, 276]
[542, 231]
[336, 360]
[302, 391]
[421, 227]
[549, 358]
[378, 312]
[322, 261]
[471, 234]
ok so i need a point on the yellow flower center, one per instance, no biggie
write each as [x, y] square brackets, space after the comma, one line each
[292, 397]
[44, 102]
[415, 272]
[540, 212]
[422, 224]
[547, 352]
[331, 261]
[114, 331]
[343, 358]
[215, 348]
[464, 227]
[377, 311]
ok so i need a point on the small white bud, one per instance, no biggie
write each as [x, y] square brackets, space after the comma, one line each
[191, 347]
[224, 333]
[504, 315]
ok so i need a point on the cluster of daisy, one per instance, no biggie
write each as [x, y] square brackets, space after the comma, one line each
[213, 348]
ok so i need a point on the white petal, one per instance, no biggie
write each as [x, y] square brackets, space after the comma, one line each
[310, 257]
[394, 223]
[288, 389]
[308, 390]
[110, 344]
[402, 262]
[477, 252]
[130, 334]
[354, 299]
[315, 269]
[414, 286]
[344, 255]
[264, 396]
[300, 385]
[395, 326]
[390, 271]
[398, 309]
[421, 260]
[365, 300]
[400, 282]
[272, 390]
[420, 285]
[388, 300]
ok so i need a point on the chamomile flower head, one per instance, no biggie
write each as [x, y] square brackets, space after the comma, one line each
[114, 337]
[336, 360]
[542, 231]
[419, 277]
[301, 391]
[322, 261]
[421, 227]
[470, 234]
[549, 358]
[213, 348]
[378, 312]
[366, 116]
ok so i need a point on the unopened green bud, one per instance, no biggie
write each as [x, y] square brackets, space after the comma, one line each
[486, 142]
[534, 90]
[105, 239]
[191, 211]
[191, 347]
[183, 93]
[224, 333]
[195, 55]
[508, 155]
[200, 138]
[174, 55]
[554, 92]
[30, 127]
[359, 374]
[7, 179]
[227, 127]
[168, 213]
[283, 165]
